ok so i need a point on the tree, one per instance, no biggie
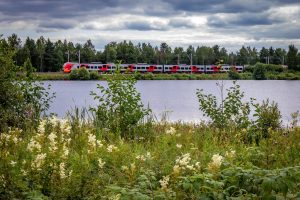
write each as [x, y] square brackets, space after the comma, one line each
[292, 57]
[40, 47]
[263, 55]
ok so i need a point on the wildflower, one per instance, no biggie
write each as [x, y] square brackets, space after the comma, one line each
[184, 160]
[54, 121]
[24, 173]
[141, 157]
[132, 167]
[164, 182]
[13, 163]
[230, 154]
[91, 139]
[171, 131]
[216, 163]
[62, 171]
[41, 127]
[101, 163]
[52, 137]
[176, 169]
[32, 145]
[65, 152]
[124, 168]
[111, 147]
[179, 146]
[99, 143]
[39, 160]
[115, 197]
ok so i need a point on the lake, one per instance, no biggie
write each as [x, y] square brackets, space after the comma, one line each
[178, 98]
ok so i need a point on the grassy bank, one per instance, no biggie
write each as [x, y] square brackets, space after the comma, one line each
[73, 160]
[149, 76]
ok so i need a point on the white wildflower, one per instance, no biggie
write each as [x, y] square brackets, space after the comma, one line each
[141, 157]
[164, 182]
[65, 151]
[62, 170]
[171, 131]
[101, 163]
[33, 145]
[92, 139]
[54, 121]
[111, 148]
[176, 169]
[179, 146]
[39, 160]
[99, 143]
[13, 163]
[41, 127]
[230, 154]
[124, 168]
[24, 173]
[52, 137]
[216, 163]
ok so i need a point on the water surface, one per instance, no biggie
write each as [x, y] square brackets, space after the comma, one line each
[178, 98]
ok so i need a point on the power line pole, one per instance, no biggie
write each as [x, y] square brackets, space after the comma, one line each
[68, 53]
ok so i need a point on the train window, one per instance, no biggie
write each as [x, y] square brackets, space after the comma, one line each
[202, 68]
[77, 67]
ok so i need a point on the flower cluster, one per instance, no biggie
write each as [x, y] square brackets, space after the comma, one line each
[101, 163]
[164, 182]
[184, 163]
[144, 157]
[171, 131]
[38, 162]
[215, 164]
[110, 148]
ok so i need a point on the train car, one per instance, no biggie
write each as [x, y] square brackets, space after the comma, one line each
[150, 68]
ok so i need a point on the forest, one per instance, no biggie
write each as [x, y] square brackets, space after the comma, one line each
[48, 56]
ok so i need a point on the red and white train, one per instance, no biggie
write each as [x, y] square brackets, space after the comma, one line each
[152, 68]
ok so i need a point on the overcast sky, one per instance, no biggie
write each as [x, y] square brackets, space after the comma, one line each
[228, 23]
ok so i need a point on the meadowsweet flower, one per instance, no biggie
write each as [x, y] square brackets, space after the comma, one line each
[124, 168]
[111, 148]
[92, 140]
[54, 120]
[215, 163]
[101, 163]
[13, 163]
[141, 157]
[39, 160]
[65, 151]
[164, 182]
[176, 169]
[184, 160]
[99, 143]
[62, 170]
[230, 154]
[41, 127]
[52, 137]
[24, 173]
[132, 167]
[179, 146]
[171, 131]
[33, 145]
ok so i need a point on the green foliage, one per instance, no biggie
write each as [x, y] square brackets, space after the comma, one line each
[230, 111]
[120, 108]
[267, 117]
[74, 75]
[94, 75]
[233, 74]
[259, 72]
[80, 74]
[83, 74]
[22, 100]
[292, 58]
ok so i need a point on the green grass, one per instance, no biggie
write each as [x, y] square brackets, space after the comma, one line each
[72, 160]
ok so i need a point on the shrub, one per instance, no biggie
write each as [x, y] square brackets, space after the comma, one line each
[120, 108]
[233, 74]
[83, 74]
[259, 72]
[22, 100]
[230, 111]
[94, 75]
[267, 116]
[74, 74]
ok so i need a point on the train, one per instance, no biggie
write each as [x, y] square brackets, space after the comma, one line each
[151, 68]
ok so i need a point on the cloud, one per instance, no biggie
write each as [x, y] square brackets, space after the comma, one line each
[145, 25]
[181, 23]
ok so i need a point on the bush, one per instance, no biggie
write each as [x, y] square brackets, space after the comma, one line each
[83, 74]
[259, 72]
[233, 74]
[94, 75]
[74, 74]
[120, 108]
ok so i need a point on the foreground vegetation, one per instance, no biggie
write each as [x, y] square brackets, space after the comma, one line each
[73, 160]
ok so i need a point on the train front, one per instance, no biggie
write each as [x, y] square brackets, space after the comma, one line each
[68, 67]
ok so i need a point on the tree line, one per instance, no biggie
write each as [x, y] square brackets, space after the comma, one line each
[46, 55]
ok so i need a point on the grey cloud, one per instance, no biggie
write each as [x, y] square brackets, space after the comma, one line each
[145, 25]
[181, 23]
[244, 19]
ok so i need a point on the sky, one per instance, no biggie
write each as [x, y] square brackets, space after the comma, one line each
[228, 23]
